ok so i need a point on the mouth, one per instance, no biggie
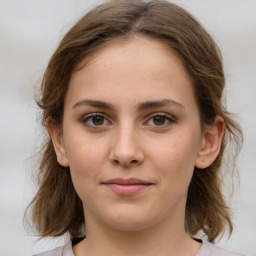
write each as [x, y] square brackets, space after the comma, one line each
[127, 187]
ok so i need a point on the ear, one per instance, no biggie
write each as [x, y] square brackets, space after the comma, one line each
[211, 143]
[57, 140]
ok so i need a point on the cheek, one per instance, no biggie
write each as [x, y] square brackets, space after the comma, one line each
[85, 160]
[85, 153]
[176, 158]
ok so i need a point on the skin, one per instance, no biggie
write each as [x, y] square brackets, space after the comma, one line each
[159, 144]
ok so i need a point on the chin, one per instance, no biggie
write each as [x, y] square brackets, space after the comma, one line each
[129, 226]
[130, 221]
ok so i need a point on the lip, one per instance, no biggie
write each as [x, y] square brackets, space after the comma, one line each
[127, 187]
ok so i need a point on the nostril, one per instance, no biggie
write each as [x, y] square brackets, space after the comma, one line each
[116, 162]
[132, 162]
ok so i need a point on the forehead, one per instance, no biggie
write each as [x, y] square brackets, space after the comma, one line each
[135, 67]
[151, 50]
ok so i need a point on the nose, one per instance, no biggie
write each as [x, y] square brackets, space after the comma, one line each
[126, 149]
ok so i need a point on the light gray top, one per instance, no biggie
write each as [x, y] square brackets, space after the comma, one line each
[207, 249]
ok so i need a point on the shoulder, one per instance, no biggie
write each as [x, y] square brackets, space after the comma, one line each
[65, 250]
[209, 249]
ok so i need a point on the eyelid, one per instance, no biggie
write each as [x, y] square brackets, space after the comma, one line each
[161, 114]
[86, 117]
[169, 117]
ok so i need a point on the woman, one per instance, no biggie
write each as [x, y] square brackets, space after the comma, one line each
[132, 101]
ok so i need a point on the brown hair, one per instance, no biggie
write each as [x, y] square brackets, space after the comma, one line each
[56, 208]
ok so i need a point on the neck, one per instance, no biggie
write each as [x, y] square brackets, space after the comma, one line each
[161, 239]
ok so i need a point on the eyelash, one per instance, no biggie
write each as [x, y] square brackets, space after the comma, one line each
[170, 119]
[86, 119]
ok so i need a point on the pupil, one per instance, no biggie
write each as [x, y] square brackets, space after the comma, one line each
[159, 120]
[97, 120]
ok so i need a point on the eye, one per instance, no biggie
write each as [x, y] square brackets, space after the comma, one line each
[160, 119]
[95, 120]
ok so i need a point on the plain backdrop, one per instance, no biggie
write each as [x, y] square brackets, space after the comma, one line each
[29, 33]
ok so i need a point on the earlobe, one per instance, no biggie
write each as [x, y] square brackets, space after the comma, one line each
[57, 140]
[211, 143]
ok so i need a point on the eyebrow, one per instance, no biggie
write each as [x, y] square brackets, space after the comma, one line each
[141, 106]
[157, 104]
[94, 103]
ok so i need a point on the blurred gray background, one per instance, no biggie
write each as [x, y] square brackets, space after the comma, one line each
[29, 33]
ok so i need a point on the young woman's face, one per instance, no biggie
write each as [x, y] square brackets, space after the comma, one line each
[131, 135]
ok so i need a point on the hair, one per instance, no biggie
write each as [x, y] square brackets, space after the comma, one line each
[56, 208]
